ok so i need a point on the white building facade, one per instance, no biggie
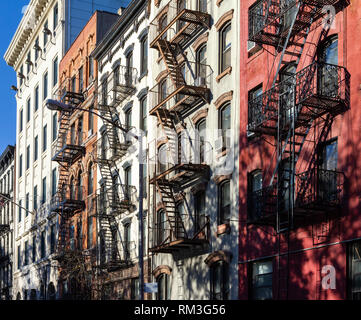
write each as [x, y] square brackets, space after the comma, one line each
[7, 189]
[194, 99]
[46, 30]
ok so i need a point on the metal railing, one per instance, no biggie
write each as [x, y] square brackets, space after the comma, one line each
[184, 85]
[70, 91]
[324, 85]
[177, 152]
[320, 187]
[165, 29]
[119, 84]
[67, 194]
[67, 141]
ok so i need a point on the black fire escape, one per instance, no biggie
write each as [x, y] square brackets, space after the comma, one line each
[114, 197]
[183, 87]
[296, 101]
[68, 149]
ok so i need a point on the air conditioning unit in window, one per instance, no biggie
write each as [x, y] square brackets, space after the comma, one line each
[201, 82]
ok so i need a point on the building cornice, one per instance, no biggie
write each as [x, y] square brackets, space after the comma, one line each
[28, 24]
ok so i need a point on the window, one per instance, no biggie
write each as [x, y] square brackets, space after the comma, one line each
[255, 104]
[21, 166]
[27, 204]
[36, 99]
[90, 179]
[91, 68]
[134, 289]
[200, 210]
[162, 226]
[225, 46]
[27, 157]
[225, 125]
[19, 257]
[127, 237]
[129, 64]
[73, 84]
[144, 55]
[355, 271]
[45, 86]
[52, 239]
[202, 5]
[28, 110]
[163, 287]
[55, 71]
[80, 186]
[21, 120]
[91, 119]
[36, 46]
[181, 5]
[53, 182]
[21, 75]
[45, 137]
[201, 56]
[43, 197]
[162, 158]
[36, 148]
[128, 118]
[327, 171]
[42, 245]
[144, 180]
[55, 16]
[26, 249]
[80, 130]
[81, 79]
[128, 180]
[201, 132]
[261, 288]
[90, 232]
[45, 39]
[255, 189]
[224, 203]
[34, 248]
[220, 281]
[328, 77]
[71, 237]
[20, 209]
[55, 126]
[143, 114]
[35, 204]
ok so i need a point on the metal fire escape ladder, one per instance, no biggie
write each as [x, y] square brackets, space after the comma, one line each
[175, 222]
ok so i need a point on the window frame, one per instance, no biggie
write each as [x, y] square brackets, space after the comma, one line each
[224, 49]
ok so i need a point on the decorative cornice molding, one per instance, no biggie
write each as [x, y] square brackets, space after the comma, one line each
[223, 98]
[224, 19]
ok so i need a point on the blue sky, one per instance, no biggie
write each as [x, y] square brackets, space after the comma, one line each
[10, 16]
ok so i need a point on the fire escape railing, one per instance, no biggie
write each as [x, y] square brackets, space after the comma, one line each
[186, 85]
[69, 199]
[328, 90]
[181, 24]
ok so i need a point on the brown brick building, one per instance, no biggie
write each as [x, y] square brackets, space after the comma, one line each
[76, 197]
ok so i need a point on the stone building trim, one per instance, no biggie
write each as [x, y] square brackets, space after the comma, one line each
[223, 98]
[201, 114]
[224, 19]
[200, 41]
[216, 256]
[222, 178]
[161, 269]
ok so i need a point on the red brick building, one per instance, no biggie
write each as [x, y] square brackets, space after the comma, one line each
[76, 199]
[300, 228]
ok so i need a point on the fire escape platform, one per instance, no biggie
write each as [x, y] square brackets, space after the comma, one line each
[177, 245]
[192, 96]
[183, 174]
[69, 153]
[193, 20]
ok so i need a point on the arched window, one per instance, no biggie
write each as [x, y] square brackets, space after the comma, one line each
[163, 24]
[220, 280]
[90, 179]
[163, 287]
[225, 124]
[72, 189]
[225, 47]
[200, 210]
[224, 202]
